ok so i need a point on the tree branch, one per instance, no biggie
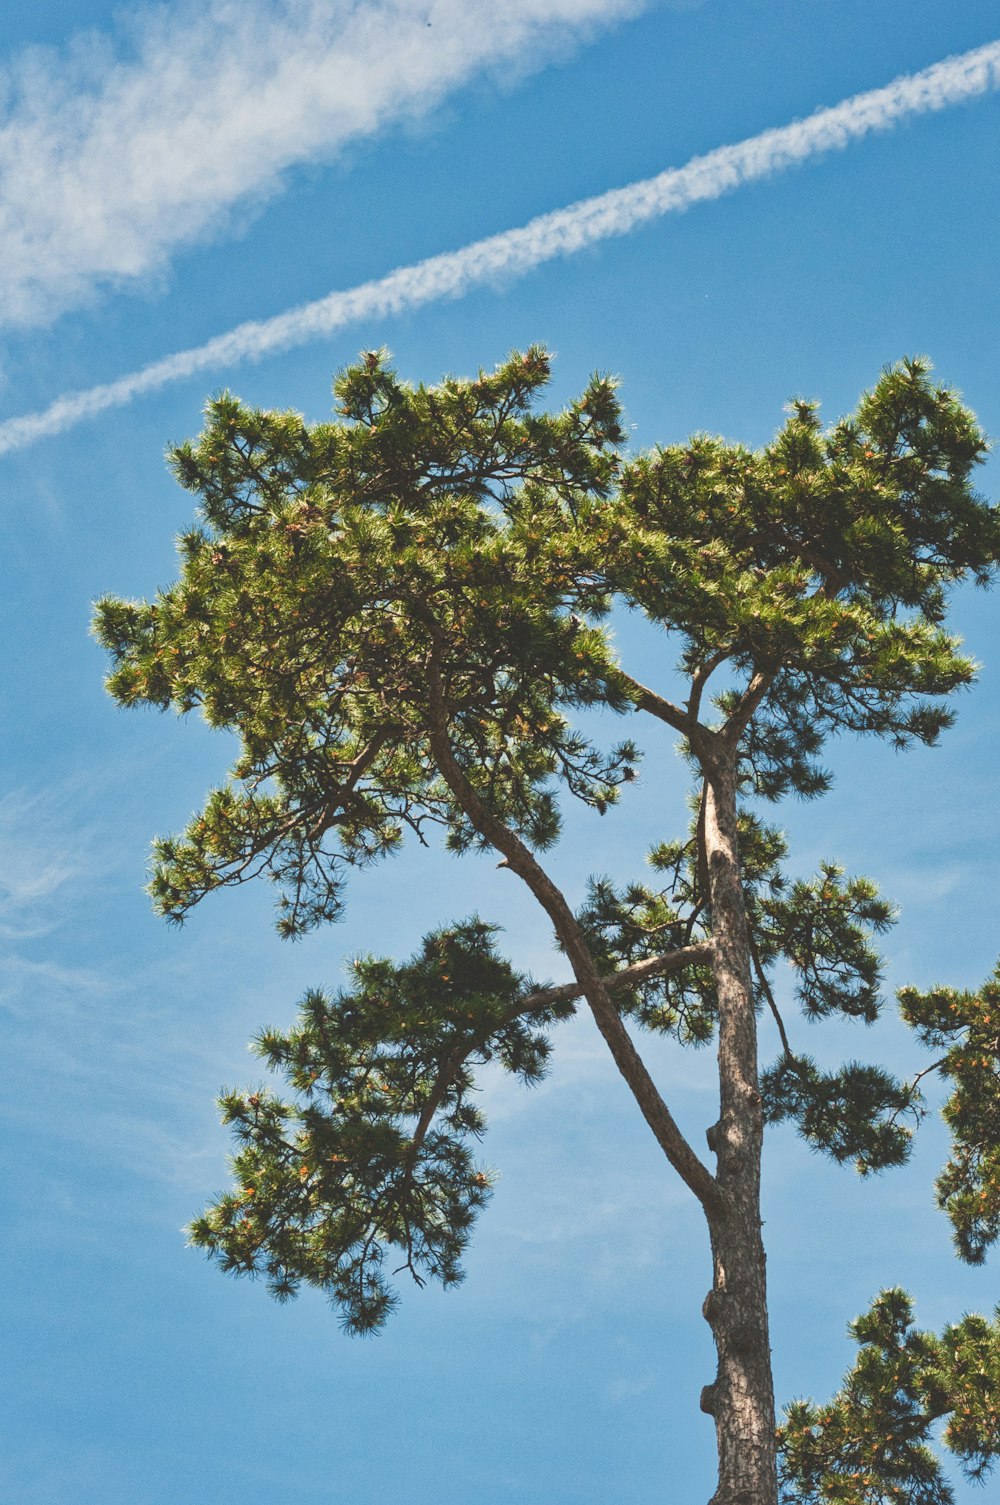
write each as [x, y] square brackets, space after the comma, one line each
[749, 701]
[769, 995]
[911, 1088]
[679, 1153]
[701, 852]
[657, 705]
[355, 771]
[538, 1002]
[700, 679]
[628, 977]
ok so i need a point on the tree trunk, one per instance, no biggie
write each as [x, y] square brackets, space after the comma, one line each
[742, 1396]
[741, 1399]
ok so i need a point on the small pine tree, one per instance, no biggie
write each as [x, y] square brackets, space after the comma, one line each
[399, 613]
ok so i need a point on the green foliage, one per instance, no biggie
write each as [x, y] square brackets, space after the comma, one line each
[455, 524]
[373, 1151]
[850, 1114]
[967, 1027]
[822, 928]
[337, 563]
[420, 587]
[821, 561]
[870, 1445]
[626, 927]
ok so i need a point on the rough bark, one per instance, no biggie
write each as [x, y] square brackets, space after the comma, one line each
[741, 1398]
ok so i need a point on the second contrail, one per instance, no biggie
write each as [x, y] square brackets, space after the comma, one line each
[559, 233]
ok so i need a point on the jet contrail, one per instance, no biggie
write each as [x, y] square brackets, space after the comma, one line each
[558, 233]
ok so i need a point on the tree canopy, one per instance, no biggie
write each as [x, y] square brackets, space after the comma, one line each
[401, 614]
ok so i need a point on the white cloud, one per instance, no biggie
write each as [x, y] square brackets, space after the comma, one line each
[41, 853]
[118, 150]
[560, 233]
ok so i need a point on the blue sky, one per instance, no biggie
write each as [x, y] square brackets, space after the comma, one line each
[165, 178]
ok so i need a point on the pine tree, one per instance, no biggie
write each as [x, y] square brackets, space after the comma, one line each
[399, 613]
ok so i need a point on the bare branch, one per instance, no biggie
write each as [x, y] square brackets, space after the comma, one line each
[700, 679]
[658, 705]
[628, 977]
[748, 703]
[768, 994]
[911, 1088]
[701, 849]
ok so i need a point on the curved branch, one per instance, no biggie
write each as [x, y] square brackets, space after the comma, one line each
[679, 1153]
[911, 1087]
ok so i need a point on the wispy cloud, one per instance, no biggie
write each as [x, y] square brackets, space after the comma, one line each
[42, 851]
[120, 149]
[560, 233]
[630, 1388]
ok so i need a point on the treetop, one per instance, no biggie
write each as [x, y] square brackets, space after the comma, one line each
[457, 527]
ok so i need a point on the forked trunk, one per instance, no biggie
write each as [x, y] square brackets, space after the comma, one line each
[741, 1398]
